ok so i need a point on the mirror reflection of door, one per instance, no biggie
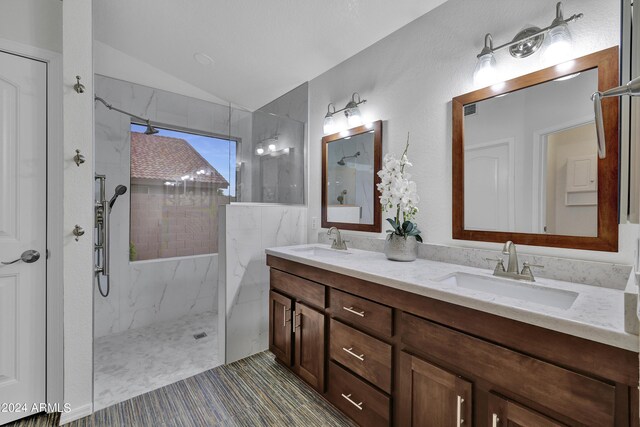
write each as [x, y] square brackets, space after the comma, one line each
[350, 173]
[530, 160]
[488, 198]
[571, 182]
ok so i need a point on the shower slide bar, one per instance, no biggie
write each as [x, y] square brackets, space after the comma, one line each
[102, 246]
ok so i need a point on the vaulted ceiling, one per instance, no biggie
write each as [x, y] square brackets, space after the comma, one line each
[260, 49]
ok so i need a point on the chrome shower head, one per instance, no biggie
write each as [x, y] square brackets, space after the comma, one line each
[341, 161]
[150, 130]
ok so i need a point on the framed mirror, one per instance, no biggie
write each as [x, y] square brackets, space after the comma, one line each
[525, 159]
[350, 162]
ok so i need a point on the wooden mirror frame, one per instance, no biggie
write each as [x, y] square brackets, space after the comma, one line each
[606, 61]
[376, 227]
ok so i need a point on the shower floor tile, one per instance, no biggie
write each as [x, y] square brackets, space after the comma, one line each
[134, 362]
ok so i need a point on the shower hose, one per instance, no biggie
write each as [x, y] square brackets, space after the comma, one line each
[104, 294]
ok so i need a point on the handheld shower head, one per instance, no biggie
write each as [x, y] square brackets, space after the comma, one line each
[120, 190]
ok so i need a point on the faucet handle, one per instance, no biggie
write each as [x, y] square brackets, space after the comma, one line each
[500, 263]
[526, 270]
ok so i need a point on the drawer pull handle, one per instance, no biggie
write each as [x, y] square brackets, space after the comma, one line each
[495, 420]
[284, 316]
[459, 419]
[348, 398]
[298, 316]
[351, 310]
[349, 350]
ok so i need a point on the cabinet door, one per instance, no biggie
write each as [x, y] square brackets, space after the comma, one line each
[309, 348]
[280, 328]
[431, 396]
[505, 413]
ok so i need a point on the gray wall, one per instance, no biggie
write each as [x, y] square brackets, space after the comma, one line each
[410, 77]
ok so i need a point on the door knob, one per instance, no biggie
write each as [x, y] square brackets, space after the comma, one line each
[27, 257]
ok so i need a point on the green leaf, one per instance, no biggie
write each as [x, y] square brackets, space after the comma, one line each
[418, 238]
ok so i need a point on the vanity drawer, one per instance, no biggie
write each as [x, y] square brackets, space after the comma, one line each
[361, 312]
[301, 289]
[584, 399]
[366, 356]
[357, 399]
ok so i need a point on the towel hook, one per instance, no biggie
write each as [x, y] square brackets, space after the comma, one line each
[79, 87]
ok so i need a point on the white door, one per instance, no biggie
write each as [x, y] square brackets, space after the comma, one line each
[23, 150]
[488, 180]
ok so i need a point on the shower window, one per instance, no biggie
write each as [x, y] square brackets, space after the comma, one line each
[179, 180]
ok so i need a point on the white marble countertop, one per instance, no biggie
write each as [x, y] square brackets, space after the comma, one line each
[597, 314]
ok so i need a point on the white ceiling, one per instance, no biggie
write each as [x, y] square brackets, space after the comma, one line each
[261, 48]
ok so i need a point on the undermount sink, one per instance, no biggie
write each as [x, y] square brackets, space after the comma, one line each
[321, 251]
[513, 289]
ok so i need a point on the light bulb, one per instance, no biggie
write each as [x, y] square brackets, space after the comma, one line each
[272, 147]
[259, 149]
[354, 118]
[329, 126]
[485, 73]
[557, 45]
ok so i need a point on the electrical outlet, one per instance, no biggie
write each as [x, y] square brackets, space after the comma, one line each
[314, 223]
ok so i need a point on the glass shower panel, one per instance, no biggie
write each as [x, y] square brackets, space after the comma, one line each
[277, 159]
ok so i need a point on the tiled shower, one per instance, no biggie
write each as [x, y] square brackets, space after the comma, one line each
[167, 312]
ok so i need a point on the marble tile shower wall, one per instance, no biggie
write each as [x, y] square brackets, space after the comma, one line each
[146, 292]
[244, 275]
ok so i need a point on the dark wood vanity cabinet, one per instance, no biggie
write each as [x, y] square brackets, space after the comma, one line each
[387, 357]
[309, 347]
[280, 329]
[296, 328]
[503, 412]
[432, 396]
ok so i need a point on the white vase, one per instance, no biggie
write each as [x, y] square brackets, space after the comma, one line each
[400, 248]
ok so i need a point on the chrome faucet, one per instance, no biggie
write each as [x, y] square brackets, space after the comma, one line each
[337, 243]
[510, 249]
[512, 270]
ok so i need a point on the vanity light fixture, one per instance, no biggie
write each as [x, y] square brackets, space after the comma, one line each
[485, 72]
[351, 111]
[329, 125]
[268, 145]
[555, 41]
